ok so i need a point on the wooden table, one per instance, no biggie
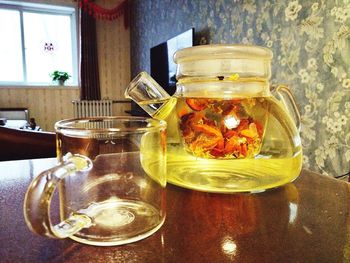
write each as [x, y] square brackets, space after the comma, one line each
[304, 221]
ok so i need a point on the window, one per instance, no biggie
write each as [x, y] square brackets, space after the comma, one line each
[36, 40]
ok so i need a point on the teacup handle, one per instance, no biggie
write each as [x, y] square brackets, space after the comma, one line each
[287, 98]
[38, 199]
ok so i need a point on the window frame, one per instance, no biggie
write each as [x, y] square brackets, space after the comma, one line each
[67, 9]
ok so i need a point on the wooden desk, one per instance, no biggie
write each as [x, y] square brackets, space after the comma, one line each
[305, 221]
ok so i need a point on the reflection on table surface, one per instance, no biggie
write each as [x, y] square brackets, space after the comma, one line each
[304, 221]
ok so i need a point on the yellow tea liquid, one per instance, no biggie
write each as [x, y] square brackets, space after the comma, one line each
[227, 176]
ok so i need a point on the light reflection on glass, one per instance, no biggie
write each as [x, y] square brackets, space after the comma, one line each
[231, 122]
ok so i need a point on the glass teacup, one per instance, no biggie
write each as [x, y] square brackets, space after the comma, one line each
[110, 178]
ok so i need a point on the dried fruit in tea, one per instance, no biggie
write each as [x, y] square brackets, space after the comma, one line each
[197, 104]
[217, 128]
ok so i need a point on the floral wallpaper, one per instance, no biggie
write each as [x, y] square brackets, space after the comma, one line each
[310, 40]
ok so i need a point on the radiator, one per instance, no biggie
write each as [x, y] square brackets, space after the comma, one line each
[92, 108]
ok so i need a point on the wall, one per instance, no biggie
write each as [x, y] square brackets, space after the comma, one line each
[50, 104]
[113, 42]
[310, 42]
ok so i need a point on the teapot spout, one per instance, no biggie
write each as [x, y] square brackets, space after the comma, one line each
[150, 96]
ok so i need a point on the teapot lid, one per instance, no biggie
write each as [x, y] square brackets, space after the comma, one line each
[224, 60]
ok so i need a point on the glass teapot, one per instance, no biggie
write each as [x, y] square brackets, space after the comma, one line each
[226, 131]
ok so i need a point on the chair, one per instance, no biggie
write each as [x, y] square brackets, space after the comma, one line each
[16, 144]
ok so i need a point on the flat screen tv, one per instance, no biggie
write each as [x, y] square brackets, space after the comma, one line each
[163, 68]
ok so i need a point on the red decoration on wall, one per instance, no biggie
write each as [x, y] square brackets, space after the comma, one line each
[106, 14]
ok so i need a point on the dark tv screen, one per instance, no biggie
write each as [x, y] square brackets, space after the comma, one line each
[163, 68]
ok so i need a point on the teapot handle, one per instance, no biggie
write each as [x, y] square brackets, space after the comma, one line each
[288, 100]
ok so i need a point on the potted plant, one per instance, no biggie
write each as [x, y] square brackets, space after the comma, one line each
[60, 76]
